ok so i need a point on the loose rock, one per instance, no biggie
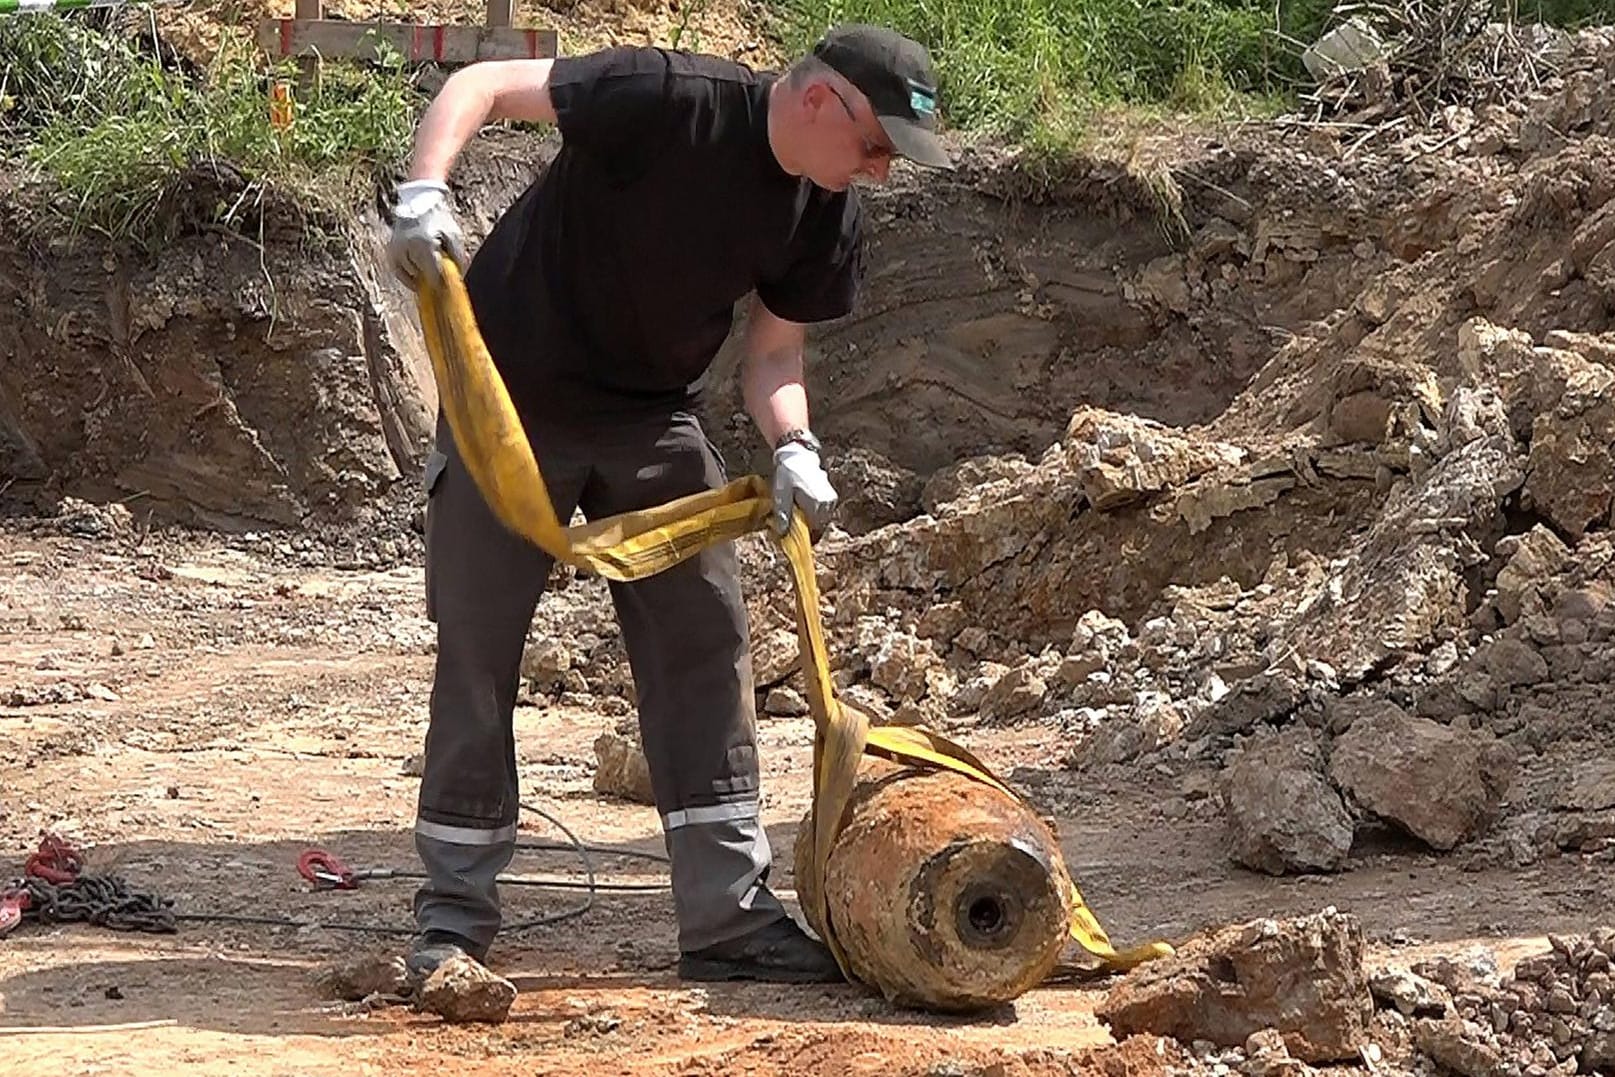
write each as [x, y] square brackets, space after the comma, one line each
[1150, 724]
[904, 665]
[775, 655]
[1120, 458]
[1341, 714]
[1446, 1042]
[785, 702]
[1572, 465]
[358, 979]
[546, 661]
[1018, 692]
[1283, 816]
[879, 492]
[622, 769]
[461, 990]
[1511, 662]
[1269, 698]
[1302, 977]
[1440, 784]
[1533, 558]
[1266, 1055]
[1411, 995]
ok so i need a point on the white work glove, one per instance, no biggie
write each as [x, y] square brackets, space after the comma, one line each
[799, 479]
[422, 226]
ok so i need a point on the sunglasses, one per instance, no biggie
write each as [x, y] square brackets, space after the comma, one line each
[874, 152]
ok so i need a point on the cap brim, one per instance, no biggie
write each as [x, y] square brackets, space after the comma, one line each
[915, 142]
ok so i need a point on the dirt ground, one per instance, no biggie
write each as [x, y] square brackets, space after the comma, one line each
[225, 707]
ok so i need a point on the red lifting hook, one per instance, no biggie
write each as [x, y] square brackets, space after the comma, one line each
[56, 861]
[13, 903]
[326, 871]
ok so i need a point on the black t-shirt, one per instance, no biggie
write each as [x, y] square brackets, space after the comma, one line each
[608, 288]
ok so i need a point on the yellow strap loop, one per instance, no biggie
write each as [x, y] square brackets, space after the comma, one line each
[633, 545]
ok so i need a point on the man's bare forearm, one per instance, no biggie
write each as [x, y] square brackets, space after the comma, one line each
[453, 118]
[771, 373]
[775, 397]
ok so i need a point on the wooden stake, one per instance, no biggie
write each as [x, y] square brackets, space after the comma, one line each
[309, 11]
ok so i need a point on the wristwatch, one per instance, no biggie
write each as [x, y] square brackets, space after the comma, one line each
[798, 436]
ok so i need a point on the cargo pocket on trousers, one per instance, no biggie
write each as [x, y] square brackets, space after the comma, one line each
[431, 478]
[717, 457]
[436, 461]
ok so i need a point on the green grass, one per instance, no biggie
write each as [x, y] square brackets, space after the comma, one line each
[1566, 12]
[1032, 69]
[119, 132]
[1036, 70]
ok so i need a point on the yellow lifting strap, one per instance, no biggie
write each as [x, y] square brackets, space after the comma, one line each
[633, 545]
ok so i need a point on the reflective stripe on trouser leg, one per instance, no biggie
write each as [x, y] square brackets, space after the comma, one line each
[720, 860]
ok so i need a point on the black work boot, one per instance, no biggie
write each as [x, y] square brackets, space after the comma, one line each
[778, 953]
[432, 948]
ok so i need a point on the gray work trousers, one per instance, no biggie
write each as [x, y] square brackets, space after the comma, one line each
[686, 636]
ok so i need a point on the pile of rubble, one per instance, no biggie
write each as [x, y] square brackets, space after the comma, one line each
[1554, 1014]
[1409, 59]
[1410, 654]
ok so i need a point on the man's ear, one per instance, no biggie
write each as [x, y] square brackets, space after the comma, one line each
[815, 95]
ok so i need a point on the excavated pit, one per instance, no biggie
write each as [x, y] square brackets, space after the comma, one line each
[988, 319]
[218, 386]
[231, 388]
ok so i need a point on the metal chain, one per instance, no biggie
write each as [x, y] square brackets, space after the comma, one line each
[104, 900]
[109, 901]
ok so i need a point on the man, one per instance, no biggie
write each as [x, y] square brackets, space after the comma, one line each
[684, 183]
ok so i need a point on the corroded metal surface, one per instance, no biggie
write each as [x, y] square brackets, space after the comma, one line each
[945, 893]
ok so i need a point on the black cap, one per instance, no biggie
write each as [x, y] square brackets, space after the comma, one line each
[895, 74]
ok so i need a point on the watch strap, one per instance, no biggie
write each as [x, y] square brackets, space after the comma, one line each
[797, 436]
